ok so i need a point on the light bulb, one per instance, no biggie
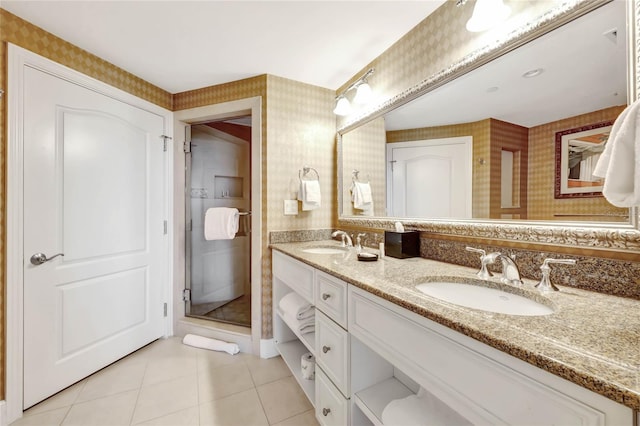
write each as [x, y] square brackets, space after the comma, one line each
[363, 93]
[486, 14]
[343, 107]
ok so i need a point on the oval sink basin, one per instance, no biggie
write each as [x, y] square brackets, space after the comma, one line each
[484, 298]
[324, 250]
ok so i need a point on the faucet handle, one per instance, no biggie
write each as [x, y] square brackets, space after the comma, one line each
[485, 259]
[476, 250]
[545, 285]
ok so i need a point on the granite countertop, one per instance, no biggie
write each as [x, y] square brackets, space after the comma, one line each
[591, 339]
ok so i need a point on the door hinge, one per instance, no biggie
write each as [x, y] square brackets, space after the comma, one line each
[166, 227]
[190, 225]
[187, 147]
[164, 142]
[186, 295]
[165, 309]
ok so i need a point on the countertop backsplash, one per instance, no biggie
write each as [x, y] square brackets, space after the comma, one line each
[600, 274]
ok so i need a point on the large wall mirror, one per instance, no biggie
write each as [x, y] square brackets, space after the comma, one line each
[493, 143]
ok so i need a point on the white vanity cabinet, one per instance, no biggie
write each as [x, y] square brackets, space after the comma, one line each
[370, 351]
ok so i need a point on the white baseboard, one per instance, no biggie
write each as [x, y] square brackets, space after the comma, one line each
[3, 413]
[268, 348]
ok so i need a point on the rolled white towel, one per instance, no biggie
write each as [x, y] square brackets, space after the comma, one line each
[210, 344]
[221, 223]
[296, 305]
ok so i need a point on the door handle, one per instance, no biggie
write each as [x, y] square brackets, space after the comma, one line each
[40, 258]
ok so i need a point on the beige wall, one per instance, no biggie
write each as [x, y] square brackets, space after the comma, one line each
[542, 204]
[364, 149]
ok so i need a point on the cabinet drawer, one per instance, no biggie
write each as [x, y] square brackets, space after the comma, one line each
[295, 274]
[332, 409]
[332, 351]
[331, 297]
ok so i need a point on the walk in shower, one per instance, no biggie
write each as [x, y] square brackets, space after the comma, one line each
[218, 174]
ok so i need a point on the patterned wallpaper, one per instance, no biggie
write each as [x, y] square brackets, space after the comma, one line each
[542, 204]
[364, 149]
[301, 132]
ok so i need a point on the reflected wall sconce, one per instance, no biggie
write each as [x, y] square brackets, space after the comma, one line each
[363, 95]
[486, 14]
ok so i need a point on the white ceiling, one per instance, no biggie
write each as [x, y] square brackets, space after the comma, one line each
[584, 70]
[185, 45]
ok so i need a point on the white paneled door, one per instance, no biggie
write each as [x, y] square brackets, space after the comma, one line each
[94, 192]
[430, 178]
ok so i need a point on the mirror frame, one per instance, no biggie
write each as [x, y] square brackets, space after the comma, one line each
[614, 236]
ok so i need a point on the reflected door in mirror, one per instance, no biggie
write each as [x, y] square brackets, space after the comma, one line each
[430, 178]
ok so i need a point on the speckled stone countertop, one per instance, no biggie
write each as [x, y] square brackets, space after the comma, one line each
[591, 339]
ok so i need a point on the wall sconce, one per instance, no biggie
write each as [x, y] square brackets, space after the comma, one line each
[363, 95]
[486, 14]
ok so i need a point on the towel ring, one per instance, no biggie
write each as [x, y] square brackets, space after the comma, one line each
[305, 171]
[355, 176]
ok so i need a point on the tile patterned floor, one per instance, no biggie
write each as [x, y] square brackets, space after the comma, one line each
[168, 383]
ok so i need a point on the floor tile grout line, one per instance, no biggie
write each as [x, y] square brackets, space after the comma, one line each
[135, 406]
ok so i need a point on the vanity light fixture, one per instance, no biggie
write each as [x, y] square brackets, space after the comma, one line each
[487, 14]
[363, 95]
[343, 107]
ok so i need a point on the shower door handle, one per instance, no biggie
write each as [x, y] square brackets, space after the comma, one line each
[40, 258]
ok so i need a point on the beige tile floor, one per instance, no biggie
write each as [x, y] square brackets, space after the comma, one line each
[168, 383]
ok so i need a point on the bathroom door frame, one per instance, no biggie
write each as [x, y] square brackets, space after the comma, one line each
[18, 58]
[182, 119]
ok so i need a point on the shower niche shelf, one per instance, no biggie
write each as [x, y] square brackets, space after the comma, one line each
[228, 186]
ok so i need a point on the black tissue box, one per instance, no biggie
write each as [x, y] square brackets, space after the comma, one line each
[402, 244]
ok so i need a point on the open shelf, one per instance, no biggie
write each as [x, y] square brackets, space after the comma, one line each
[291, 353]
[374, 399]
[308, 339]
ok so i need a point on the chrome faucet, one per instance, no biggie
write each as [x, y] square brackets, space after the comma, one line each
[346, 240]
[545, 285]
[359, 242]
[485, 259]
[510, 271]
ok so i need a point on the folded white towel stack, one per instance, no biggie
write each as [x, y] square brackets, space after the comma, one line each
[619, 164]
[293, 303]
[299, 314]
[211, 344]
[421, 410]
[309, 194]
[221, 223]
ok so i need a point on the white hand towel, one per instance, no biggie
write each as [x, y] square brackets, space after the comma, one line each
[294, 304]
[421, 410]
[221, 223]
[361, 195]
[309, 194]
[211, 344]
[307, 325]
[619, 164]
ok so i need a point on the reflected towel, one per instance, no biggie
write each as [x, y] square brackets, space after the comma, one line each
[211, 344]
[220, 223]
[619, 164]
[361, 195]
[309, 194]
[295, 305]
[421, 410]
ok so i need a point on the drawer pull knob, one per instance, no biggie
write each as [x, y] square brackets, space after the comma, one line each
[325, 296]
[326, 411]
[326, 349]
